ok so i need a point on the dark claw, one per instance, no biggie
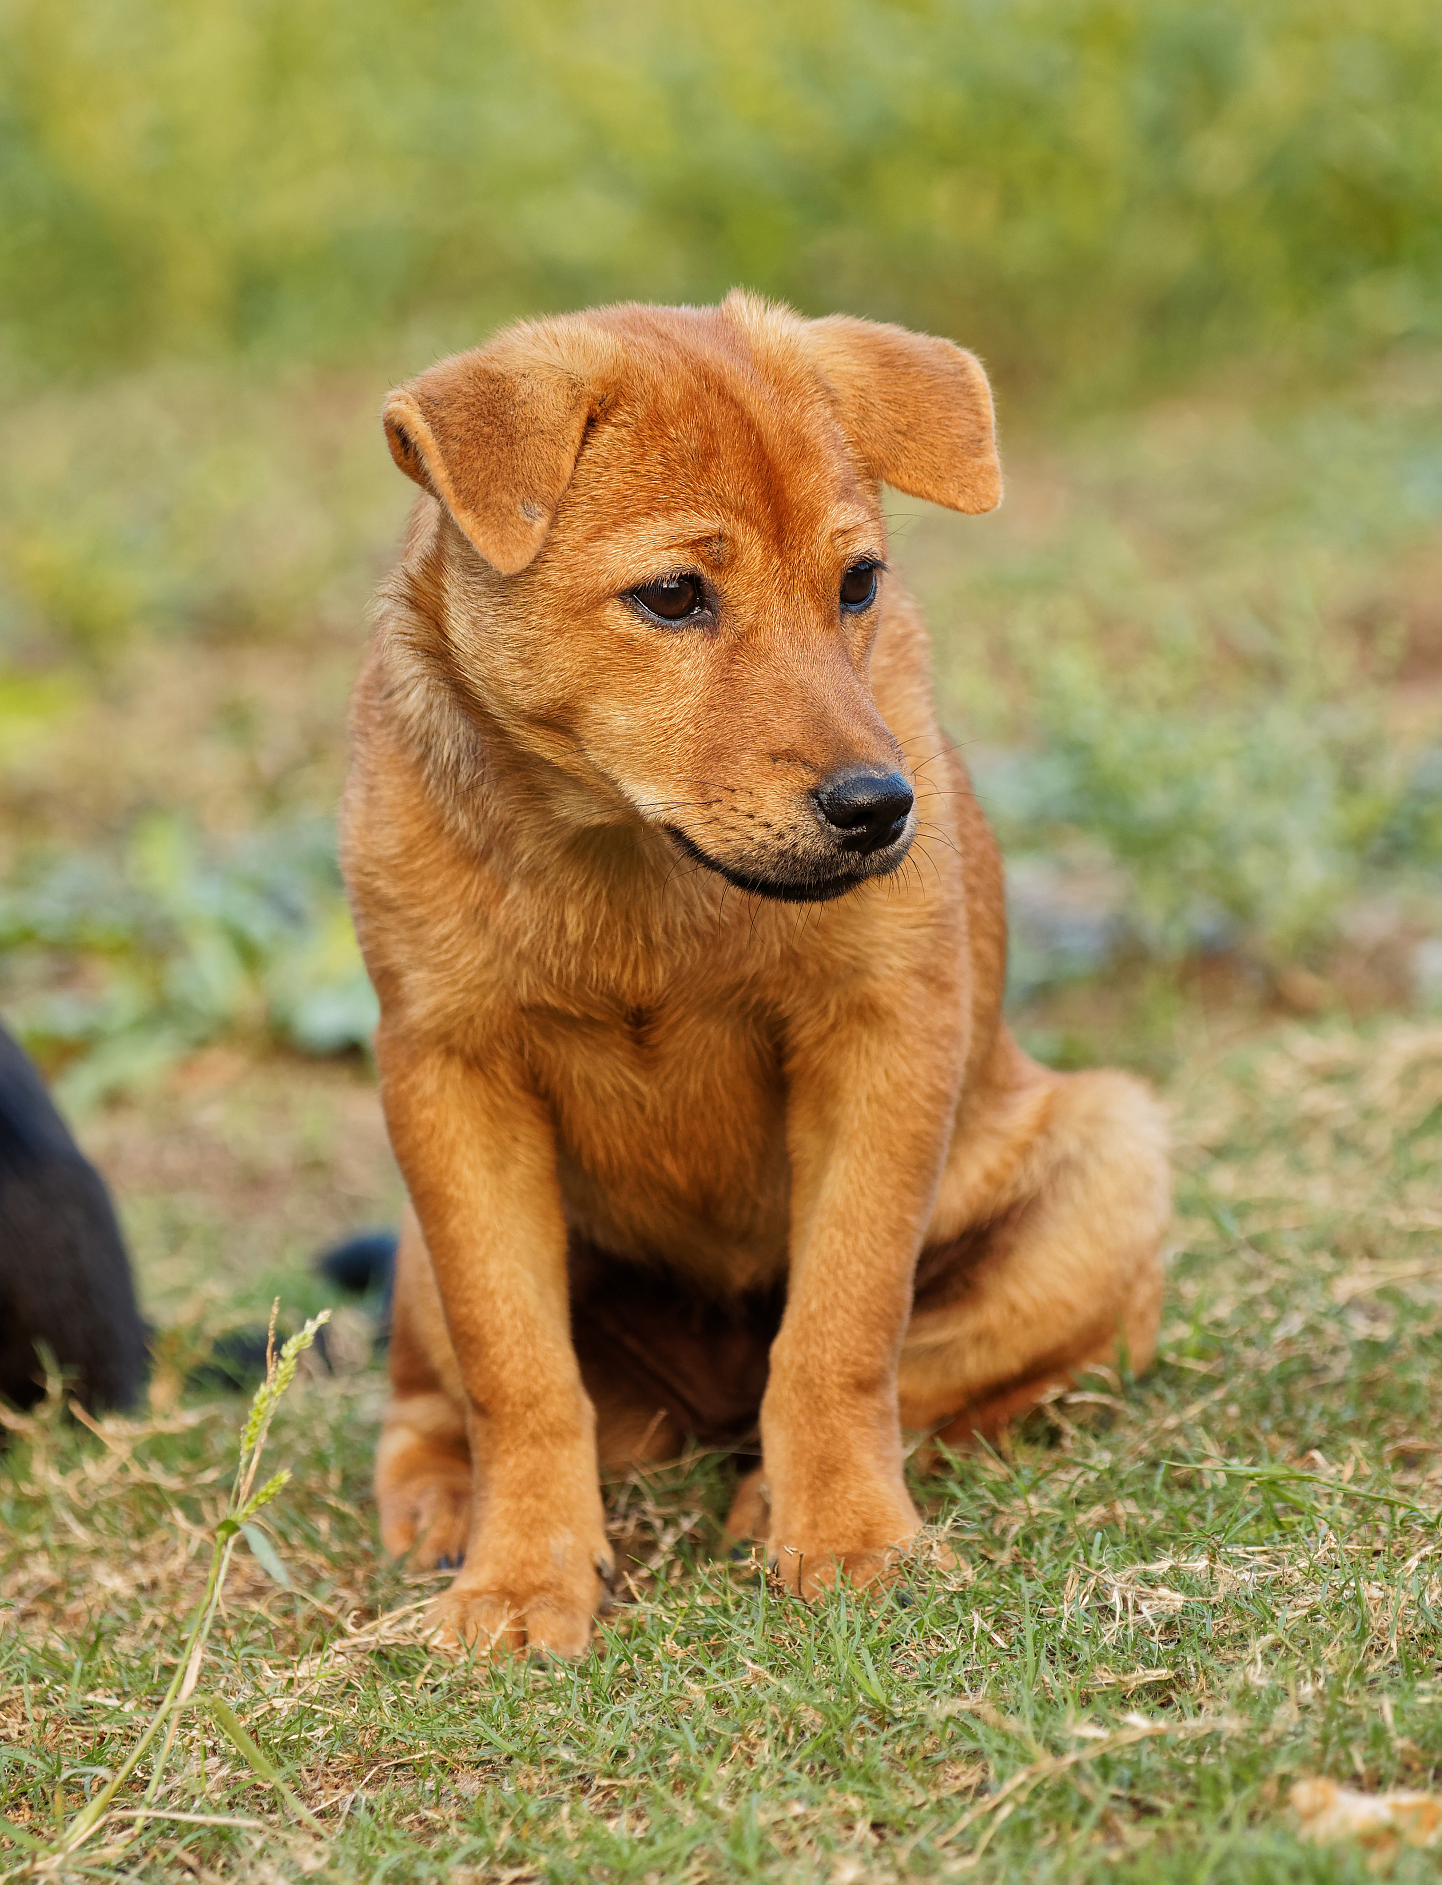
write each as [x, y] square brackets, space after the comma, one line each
[740, 1553]
[904, 1598]
[449, 1564]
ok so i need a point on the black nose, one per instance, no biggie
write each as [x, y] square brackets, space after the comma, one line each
[869, 809]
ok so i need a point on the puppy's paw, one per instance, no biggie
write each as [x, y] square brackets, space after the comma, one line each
[495, 1617]
[863, 1544]
[750, 1514]
[428, 1516]
[807, 1571]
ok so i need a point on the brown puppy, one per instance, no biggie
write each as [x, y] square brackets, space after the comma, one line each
[689, 942]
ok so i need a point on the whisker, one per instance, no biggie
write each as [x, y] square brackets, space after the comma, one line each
[931, 829]
[918, 846]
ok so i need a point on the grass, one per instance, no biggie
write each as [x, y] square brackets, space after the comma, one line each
[1097, 193]
[247, 1500]
[1174, 1596]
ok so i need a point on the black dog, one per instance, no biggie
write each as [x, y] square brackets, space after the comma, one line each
[365, 1265]
[64, 1275]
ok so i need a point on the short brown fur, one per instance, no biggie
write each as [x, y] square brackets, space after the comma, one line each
[637, 1108]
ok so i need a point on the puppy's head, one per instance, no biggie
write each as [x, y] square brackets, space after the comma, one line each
[665, 563]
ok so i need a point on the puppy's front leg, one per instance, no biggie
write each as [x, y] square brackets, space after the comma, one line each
[478, 1156]
[872, 1101]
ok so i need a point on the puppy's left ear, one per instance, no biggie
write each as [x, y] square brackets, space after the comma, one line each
[494, 433]
[916, 409]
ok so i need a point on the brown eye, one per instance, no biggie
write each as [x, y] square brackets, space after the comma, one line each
[858, 586]
[672, 599]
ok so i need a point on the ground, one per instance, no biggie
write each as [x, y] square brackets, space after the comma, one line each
[1168, 1599]
[1203, 1585]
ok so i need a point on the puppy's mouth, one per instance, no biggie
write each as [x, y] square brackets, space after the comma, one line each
[816, 886]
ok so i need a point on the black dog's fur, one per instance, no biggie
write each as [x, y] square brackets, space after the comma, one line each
[365, 1265]
[64, 1275]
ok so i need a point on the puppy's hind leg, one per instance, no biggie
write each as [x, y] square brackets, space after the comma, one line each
[423, 1460]
[750, 1514]
[1061, 1273]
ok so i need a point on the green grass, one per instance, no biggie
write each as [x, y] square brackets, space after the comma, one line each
[1097, 193]
[1236, 1629]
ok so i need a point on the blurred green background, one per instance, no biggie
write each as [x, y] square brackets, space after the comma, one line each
[1197, 657]
[1097, 194]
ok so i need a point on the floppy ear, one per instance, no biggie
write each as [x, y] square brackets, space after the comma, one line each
[494, 434]
[917, 409]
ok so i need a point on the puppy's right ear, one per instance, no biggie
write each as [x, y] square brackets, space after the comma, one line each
[917, 409]
[494, 434]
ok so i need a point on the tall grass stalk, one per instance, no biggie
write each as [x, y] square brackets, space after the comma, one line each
[246, 1500]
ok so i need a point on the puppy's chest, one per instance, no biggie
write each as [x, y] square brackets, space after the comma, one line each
[670, 1122]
